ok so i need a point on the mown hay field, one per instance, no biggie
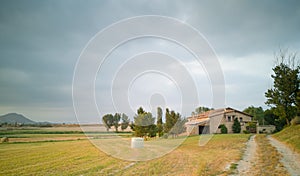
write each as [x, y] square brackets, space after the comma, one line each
[81, 157]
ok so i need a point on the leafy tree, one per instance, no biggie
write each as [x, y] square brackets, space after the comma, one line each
[284, 96]
[144, 124]
[179, 126]
[174, 123]
[298, 102]
[125, 122]
[116, 120]
[171, 119]
[140, 110]
[201, 109]
[251, 127]
[257, 113]
[132, 126]
[152, 130]
[159, 122]
[236, 127]
[108, 121]
[273, 119]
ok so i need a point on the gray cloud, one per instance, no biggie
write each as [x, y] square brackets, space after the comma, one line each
[40, 42]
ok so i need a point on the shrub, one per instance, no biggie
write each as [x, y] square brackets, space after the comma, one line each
[295, 121]
[236, 127]
[252, 127]
[223, 129]
[246, 132]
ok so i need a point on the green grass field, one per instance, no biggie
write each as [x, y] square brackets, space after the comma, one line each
[80, 157]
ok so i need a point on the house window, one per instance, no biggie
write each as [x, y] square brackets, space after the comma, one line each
[241, 119]
[229, 118]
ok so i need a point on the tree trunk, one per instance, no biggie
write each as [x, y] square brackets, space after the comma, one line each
[287, 121]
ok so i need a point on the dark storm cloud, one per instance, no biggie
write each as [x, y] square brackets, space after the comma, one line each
[40, 42]
[240, 28]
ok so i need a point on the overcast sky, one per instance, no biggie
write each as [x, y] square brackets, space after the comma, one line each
[41, 41]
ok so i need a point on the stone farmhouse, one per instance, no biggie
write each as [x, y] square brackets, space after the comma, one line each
[208, 122]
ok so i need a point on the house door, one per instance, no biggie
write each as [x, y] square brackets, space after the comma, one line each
[203, 130]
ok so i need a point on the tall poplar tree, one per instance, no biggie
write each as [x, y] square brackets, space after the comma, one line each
[159, 122]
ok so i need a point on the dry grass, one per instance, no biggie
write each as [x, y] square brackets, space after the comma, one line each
[290, 136]
[82, 158]
[55, 158]
[267, 159]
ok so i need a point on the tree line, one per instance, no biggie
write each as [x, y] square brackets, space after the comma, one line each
[145, 125]
[283, 99]
[110, 120]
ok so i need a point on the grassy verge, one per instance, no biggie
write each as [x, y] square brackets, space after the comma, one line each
[290, 136]
[267, 159]
[82, 158]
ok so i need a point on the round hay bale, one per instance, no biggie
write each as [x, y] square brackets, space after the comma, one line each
[4, 139]
[137, 142]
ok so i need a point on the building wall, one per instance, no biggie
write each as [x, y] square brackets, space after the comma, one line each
[228, 119]
[214, 123]
[192, 129]
[265, 129]
[221, 118]
[240, 116]
[243, 127]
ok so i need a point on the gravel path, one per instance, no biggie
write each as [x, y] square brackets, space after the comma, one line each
[290, 159]
[248, 159]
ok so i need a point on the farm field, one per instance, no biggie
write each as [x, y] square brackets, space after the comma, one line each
[76, 155]
[35, 134]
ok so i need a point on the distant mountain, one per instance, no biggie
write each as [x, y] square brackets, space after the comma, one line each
[12, 118]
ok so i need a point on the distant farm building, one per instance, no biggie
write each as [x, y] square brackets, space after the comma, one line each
[265, 129]
[208, 122]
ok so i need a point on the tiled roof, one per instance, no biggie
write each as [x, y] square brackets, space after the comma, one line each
[197, 121]
[212, 113]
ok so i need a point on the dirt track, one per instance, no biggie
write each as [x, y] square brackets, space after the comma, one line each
[290, 159]
[248, 160]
